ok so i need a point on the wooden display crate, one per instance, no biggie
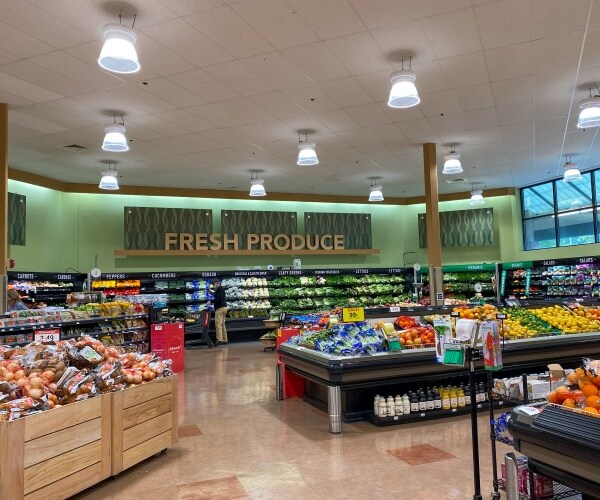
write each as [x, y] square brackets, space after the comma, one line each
[55, 454]
[144, 422]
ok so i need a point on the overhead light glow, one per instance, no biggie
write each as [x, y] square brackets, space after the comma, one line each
[257, 187]
[403, 93]
[118, 52]
[307, 155]
[477, 197]
[589, 116]
[109, 180]
[114, 139]
[452, 164]
[376, 193]
[571, 172]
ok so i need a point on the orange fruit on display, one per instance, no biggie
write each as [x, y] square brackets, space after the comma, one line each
[552, 397]
[569, 403]
[572, 378]
[593, 402]
[589, 409]
[589, 390]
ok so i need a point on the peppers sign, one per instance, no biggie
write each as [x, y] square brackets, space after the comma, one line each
[351, 314]
[216, 241]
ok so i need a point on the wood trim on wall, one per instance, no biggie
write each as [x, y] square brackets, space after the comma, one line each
[68, 187]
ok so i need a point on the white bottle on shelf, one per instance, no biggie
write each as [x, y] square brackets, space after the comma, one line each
[391, 406]
[399, 407]
[376, 405]
[382, 410]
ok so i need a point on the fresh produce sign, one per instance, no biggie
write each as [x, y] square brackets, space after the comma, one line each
[215, 241]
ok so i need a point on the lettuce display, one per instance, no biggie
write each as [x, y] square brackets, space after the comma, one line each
[349, 339]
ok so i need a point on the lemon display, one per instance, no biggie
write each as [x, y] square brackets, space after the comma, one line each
[567, 321]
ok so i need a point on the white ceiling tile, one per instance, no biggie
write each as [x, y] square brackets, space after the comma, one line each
[510, 61]
[20, 43]
[408, 37]
[515, 113]
[346, 92]
[223, 137]
[429, 77]
[551, 108]
[39, 24]
[199, 141]
[189, 43]
[474, 97]
[447, 124]
[277, 104]
[155, 124]
[386, 133]
[402, 115]
[34, 123]
[26, 90]
[58, 116]
[367, 115]
[438, 103]
[486, 135]
[187, 120]
[316, 61]
[517, 132]
[277, 22]
[188, 7]
[216, 115]
[277, 70]
[557, 53]
[357, 137]
[201, 83]
[138, 97]
[513, 91]
[557, 16]
[170, 92]
[465, 69]
[554, 85]
[336, 120]
[550, 126]
[331, 19]
[13, 100]
[416, 128]
[504, 22]
[452, 34]
[359, 53]
[176, 146]
[479, 118]
[43, 77]
[226, 28]
[245, 110]
[87, 73]
[155, 56]
[376, 84]
[239, 78]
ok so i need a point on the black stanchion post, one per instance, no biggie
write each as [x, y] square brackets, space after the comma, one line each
[472, 355]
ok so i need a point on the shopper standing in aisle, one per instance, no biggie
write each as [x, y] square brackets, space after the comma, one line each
[220, 303]
[13, 301]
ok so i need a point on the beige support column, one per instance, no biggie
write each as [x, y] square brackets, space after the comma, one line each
[3, 203]
[432, 216]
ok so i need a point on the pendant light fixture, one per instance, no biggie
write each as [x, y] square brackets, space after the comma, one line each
[403, 93]
[307, 155]
[571, 171]
[375, 193]
[118, 53]
[452, 163]
[114, 137]
[257, 187]
[589, 114]
[476, 196]
[109, 179]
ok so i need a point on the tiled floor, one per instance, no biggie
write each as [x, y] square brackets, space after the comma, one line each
[237, 441]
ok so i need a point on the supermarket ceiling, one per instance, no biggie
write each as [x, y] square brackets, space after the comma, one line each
[226, 85]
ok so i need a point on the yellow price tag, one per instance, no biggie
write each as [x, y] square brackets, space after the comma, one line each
[350, 314]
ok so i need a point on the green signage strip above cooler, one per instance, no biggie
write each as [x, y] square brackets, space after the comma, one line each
[523, 264]
[462, 268]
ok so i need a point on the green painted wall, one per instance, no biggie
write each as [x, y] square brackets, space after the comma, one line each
[67, 230]
[72, 229]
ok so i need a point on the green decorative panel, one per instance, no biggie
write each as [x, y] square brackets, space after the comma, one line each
[462, 228]
[145, 227]
[244, 222]
[356, 228]
[17, 219]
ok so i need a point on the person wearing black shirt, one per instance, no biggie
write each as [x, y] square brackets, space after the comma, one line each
[220, 303]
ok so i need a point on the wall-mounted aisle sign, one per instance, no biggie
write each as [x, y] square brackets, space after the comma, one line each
[350, 314]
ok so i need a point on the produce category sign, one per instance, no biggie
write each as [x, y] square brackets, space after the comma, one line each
[252, 241]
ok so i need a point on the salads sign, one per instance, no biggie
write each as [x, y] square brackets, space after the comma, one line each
[215, 241]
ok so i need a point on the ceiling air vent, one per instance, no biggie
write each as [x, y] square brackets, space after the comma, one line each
[457, 181]
[74, 148]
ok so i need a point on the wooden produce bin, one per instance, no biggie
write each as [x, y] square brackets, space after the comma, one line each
[144, 422]
[56, 453]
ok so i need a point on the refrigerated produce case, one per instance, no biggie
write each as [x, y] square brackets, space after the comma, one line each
[352, 382]
[39, 289]
[560, 444]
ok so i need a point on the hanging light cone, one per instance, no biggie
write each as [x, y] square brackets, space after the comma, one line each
[307, 155]
[403, 93]
[109, 180]
[589, 114]
[376, 193]
[257, 187]
[452, 164]
[118, 52]
[114, 139]
[477, 197]
[571, 172]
